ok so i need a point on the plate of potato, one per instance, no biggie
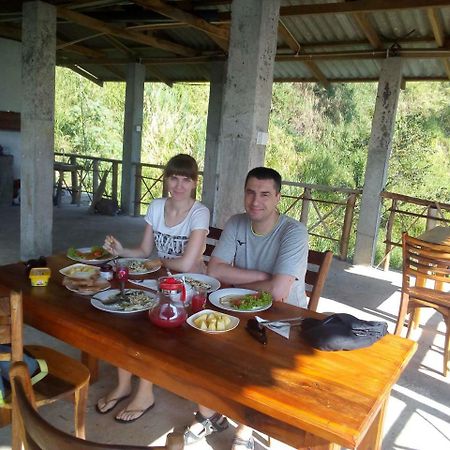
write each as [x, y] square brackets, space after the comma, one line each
[80, 271]
[212, 322]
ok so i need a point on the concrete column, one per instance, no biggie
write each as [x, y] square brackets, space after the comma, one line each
[132, 133]
[37, 128]
[380, 145]
[210, 167]
[246, 101]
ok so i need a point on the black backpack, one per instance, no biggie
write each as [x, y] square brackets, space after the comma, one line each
[341, 332]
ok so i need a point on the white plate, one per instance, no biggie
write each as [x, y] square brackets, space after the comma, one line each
[215, 284]
[95, 262]
[128, 261]
[115, 308]
[234, 321]
[79, 271]
[215, 297]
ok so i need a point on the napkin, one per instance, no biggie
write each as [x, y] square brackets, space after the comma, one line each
[151, 284]
[281, 328]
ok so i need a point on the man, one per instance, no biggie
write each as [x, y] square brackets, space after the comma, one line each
[262, 250]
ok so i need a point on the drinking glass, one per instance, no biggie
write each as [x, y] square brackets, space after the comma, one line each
[198, 301]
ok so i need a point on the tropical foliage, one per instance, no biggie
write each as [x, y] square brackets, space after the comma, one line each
[317, 135]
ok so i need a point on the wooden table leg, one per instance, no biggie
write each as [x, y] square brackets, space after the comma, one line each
[374, 435]
[92, 364]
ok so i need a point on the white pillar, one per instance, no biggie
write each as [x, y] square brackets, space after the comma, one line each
[210, 167]
[132, 133]
[246, 102]
[380, 145]
[37, 128]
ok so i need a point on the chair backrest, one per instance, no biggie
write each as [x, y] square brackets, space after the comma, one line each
[211, 242]
[11, 323]
[316, 274]
[37, 434]
[425, 265]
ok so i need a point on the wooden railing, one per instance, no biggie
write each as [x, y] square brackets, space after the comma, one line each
[411, 214]
[327, 211]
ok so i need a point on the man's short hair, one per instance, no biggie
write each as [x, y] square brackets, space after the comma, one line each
[265, 173]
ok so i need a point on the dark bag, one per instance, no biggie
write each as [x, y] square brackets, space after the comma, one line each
[342, 332]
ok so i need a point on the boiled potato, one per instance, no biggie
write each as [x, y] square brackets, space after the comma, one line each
[203, 325]
[212, 322]
[220, 326]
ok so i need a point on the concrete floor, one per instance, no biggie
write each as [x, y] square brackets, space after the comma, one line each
[418, 416]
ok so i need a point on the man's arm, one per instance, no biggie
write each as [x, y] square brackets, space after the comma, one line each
[229, 274]
[278, 285]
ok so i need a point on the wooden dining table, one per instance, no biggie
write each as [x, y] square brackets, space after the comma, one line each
[304, 397]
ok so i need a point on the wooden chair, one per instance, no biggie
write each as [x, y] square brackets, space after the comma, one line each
[316, 274]
[426, 281]
[211, 242]
[66, 377]
[36, 433]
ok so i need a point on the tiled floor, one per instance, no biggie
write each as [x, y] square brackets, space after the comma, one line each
[418, 416]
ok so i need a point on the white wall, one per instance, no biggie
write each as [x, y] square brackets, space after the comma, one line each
[11, 95]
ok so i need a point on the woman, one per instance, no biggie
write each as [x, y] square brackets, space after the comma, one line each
[177, 226]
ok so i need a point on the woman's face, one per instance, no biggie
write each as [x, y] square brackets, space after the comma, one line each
[180, 187]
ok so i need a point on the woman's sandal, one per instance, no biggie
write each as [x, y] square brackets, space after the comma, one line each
[112, 404]
[216, 422]
[243, 444]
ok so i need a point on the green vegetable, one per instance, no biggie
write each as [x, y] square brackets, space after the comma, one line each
[253, 301]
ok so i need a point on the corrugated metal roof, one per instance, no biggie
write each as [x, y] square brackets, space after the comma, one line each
[345, 43]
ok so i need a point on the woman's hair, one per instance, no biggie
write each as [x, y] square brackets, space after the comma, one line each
[183, 165]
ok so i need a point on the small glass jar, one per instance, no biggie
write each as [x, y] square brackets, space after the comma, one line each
[106, 272]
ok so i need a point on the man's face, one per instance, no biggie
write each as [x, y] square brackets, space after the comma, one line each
[261, 199]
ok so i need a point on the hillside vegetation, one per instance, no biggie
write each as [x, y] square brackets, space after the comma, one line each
[316, 135]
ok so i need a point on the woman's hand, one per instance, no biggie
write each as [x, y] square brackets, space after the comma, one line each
[113, 246]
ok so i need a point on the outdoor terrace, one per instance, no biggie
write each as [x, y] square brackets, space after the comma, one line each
[418, 415]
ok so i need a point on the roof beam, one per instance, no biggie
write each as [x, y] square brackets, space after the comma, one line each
[218, 34]
[295, 46]
[98, 25]
[367, 28]
[436, 26]
[84, 73]
[360, 6]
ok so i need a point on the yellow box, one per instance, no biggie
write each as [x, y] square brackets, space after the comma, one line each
[39, 276]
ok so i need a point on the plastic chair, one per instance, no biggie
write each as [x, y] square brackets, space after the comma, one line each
[36, 433]
[66, 377]
[316, 274]
[426, 281]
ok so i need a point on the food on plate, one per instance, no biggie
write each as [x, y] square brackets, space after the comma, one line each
[152, 264]
[132, 300]
[248, 301]
[197, 283]
[95, 252]
[80, 271]
[87, 286]
[212, 322]
[139, 265]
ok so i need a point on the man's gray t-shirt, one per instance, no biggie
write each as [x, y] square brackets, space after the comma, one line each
[283, 251]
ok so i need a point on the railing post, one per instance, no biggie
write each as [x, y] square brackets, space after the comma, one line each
[95, 174]
[390, 225]
[76, 191]
[431, 222]
[115, 177]
[305, 206]
[137, 189]
[347, 227]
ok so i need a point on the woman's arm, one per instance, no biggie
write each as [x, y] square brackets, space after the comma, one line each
[192, 253]
[114, 246]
